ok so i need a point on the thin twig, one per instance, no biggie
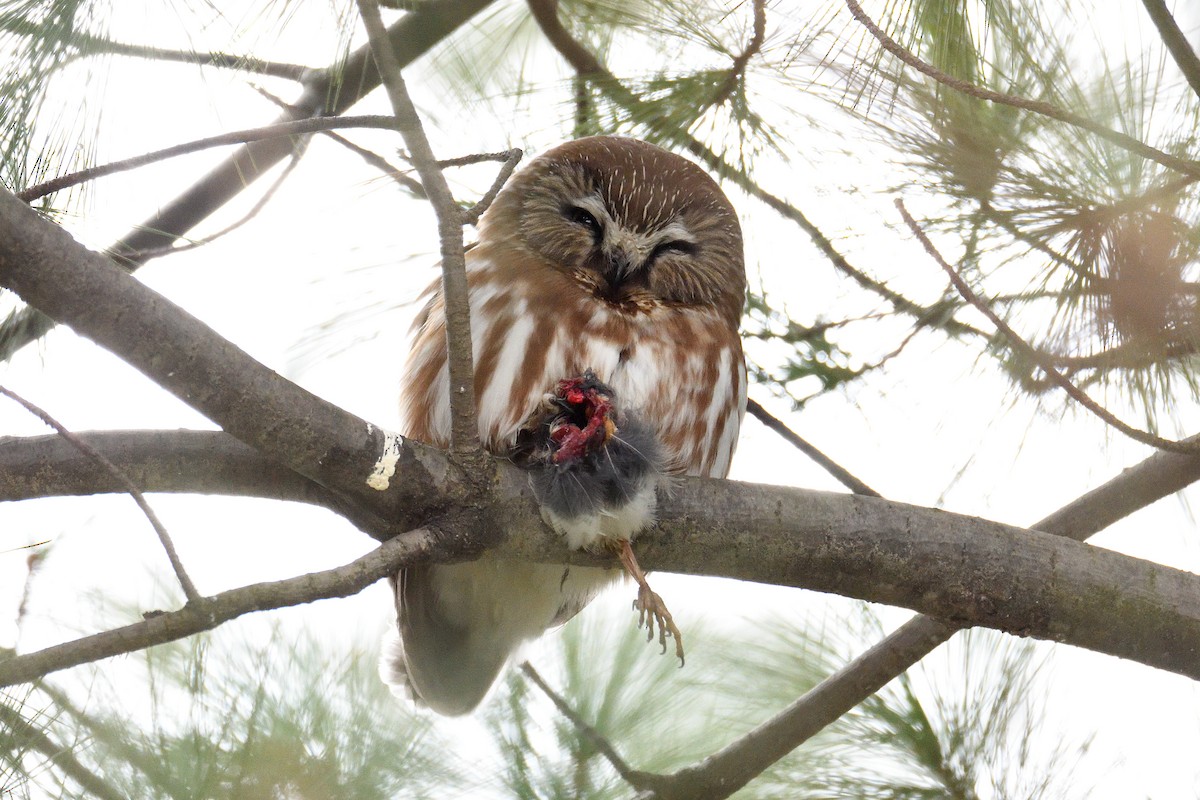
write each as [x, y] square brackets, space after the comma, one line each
[1122, 140]
[593, 736]
[372, 158]
[1176, 42]
[464, 432]
[258, 206]
[225, 139]
[511, 159]
[212, 611]
[189, 589]
[825, 462]
[738, 69]
[1030, 352]
[88, 44]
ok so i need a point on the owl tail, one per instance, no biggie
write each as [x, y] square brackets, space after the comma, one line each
[440, 664]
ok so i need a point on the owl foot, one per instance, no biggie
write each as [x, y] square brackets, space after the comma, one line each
[649, 605]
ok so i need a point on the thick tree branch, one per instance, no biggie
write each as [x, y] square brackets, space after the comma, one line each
[967, 570]
[195, 462]
[725, 772]
[328, 92]
[49, 270]
[211, 612]
[464, 432]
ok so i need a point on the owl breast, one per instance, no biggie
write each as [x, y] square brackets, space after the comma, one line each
[679, 368]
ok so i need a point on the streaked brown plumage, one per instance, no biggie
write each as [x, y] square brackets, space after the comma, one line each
[605, 254]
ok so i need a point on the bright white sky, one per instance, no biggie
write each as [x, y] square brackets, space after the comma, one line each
[937, 428]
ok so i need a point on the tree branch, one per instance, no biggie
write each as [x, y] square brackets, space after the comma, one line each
[593, 736]
[289, 129]
[464, 431]
[968, 570]
[1176, 42]
[328, 92]
[128, 486]
[727, 771]
[209, 612]
[825, 462]
[339, 451]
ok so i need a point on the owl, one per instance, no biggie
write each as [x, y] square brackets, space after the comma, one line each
[605, 295]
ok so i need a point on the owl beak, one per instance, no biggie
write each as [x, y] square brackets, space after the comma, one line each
[620, 264]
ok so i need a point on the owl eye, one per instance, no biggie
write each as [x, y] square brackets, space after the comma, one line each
[581, 216]
[675, 246]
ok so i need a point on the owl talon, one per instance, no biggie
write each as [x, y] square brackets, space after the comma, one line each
[651, 609]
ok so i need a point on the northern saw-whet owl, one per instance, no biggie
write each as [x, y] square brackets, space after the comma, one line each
[606, 290]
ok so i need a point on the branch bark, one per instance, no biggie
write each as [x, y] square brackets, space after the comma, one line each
[966, 570]
[51, 271]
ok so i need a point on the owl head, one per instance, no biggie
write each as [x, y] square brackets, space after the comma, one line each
[635, 225]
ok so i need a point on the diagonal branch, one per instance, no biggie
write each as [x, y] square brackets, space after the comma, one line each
[825, 462]
[53, 272]
[210, 612]
[1027, 350]
[464, 432]
[62, 757]
[1176, 42]
[185, 582]
[594, 737]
